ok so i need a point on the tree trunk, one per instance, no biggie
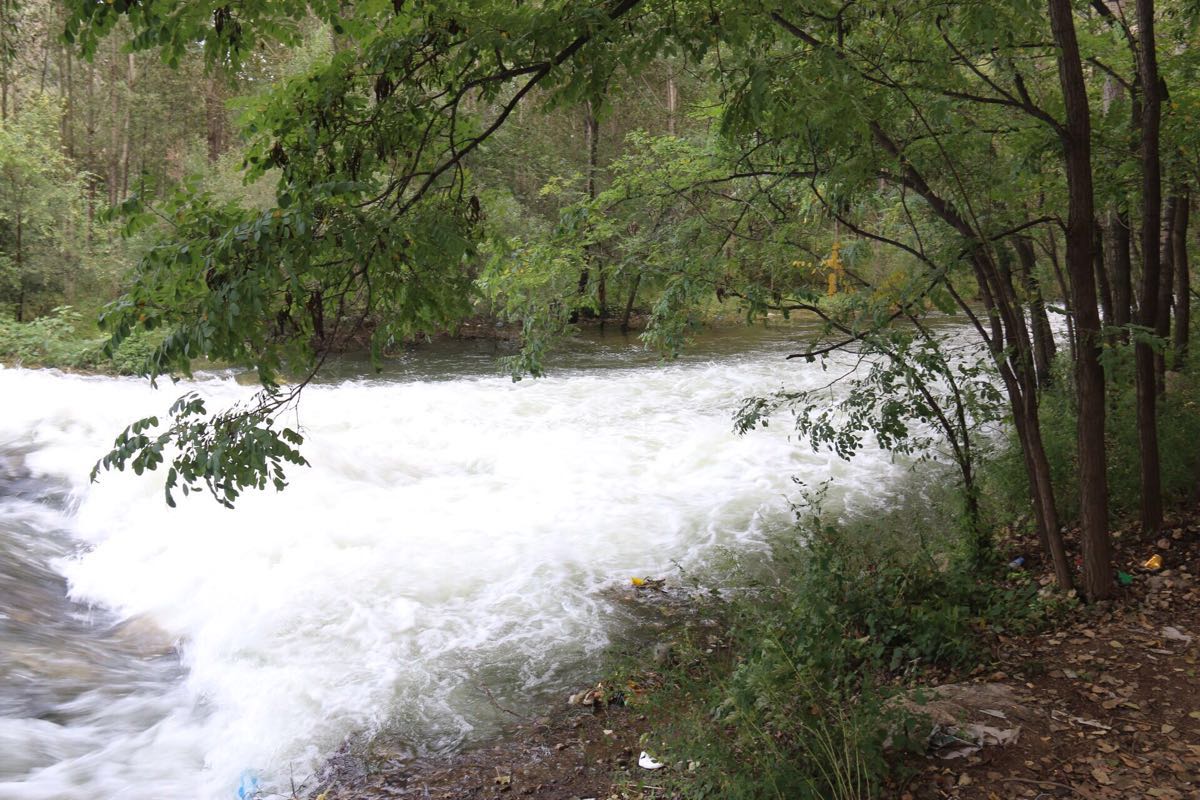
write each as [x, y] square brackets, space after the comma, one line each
[214, 116]
[1011, 350]
[126, 125]
[20, 264]
[1102, 282]
[1116, 238]
[1039, 320]
[637, 279]
[1041, 490]
[68, 121]
[89, 148]
[591, 133]
[672, 100]
[5, 58]
[1147, 399]
[1009, 344]
[1166, 285]
[1052, 251]
[114, 130]
[1089, 375]
[1183, 281]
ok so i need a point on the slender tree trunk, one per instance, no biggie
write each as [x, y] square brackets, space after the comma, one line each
[1063, 287]
[5, 57]
[1011, 350]
[1166, 285]
[591, 131]
[1009, 344]
[114, 130]
[672, 100]
[45, 66]
[126, 125]
[1041, 490]
[1039, 320]
[1089, 375]
[214, 116]
[1183, 281]
[20, 264]
[89, 149]
[67, 92]
[1102, 283]
[1147, 400]
[637, 279]
[1120, 268]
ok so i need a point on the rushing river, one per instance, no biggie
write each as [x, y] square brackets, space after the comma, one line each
[455, 528]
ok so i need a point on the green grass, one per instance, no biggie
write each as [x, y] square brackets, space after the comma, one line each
[794, 700]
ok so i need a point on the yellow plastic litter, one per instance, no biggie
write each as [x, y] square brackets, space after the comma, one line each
[1153, 562]
[638, 581]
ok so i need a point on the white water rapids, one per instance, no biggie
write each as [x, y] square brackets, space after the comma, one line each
[454, 528]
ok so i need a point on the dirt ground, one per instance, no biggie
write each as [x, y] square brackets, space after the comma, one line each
[1106, 706]
[1110, 703]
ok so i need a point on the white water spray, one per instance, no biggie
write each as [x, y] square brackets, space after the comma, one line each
[449, 531]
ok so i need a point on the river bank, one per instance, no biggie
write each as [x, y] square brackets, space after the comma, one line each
[67, 340]
[1099, 703]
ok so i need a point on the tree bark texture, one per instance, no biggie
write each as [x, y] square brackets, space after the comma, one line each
[1146, 395]
[1089, 375]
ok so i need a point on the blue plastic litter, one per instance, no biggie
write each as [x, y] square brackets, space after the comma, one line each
[1016, 562]
[247, 786]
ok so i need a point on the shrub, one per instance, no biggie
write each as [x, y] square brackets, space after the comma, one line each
[844, 619]
[55, 340]
[1007, 488]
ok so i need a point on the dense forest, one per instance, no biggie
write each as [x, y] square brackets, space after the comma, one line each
[268, 182]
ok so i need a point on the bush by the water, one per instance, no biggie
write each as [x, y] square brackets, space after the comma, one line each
[798, 706]
[58, 340]
[1007, 487]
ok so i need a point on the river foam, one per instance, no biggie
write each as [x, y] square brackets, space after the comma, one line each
[450, 532]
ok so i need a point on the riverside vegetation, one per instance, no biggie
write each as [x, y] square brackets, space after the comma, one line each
[362, 174]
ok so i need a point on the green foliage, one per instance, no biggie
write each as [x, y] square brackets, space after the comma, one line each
[920, 396]
[1007, 487]
[41, 212]
[373, 230]
[227, 453]
[913, 398]
[59, 339]
[799, 706]
[398, 180]
[48, 340]
[228, 34]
